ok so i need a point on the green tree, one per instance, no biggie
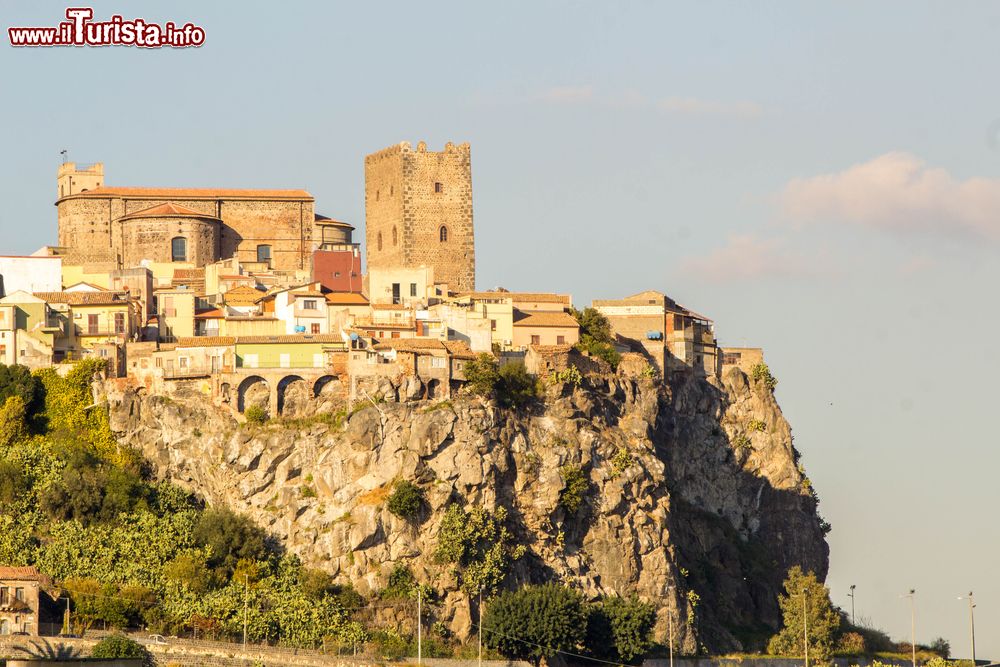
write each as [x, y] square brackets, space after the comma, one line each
[479, 544]
[405, 500]
[120, 646]
[482, 374]
[620, 629]
[596, 337]
[515, 387]
[576, 485]
[804, 593]
[14, 484]
[18, 381]
[536, 622]
[13, 420]
[230, 537]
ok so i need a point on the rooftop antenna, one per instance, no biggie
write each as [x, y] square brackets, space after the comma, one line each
[63, 153]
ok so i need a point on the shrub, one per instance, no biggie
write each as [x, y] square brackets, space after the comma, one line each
[761, 373]
[14, 484]
[120, 646]
[535, 622]
[596, 337]
[255, 414]
[515, 386]
[13, 420]
[620, 629]
[405, 500]
[18, 381]
[400, 584]
[851, 643]
[479, 544]
[620, 462]
[91, 490]
[756, 425]
[576, 485]
[569, 375]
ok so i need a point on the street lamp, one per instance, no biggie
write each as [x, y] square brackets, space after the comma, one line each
[805, 624]
[851, 594]
[913, 625]
[972, 622]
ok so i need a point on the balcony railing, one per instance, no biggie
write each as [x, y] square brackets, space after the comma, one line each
[87, 331]
[264, 365]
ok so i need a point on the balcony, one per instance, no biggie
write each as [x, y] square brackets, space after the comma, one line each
[98, 331]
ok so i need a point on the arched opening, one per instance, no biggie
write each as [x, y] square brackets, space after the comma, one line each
[443, 234]
[253, 390]
[292, 391]
[178, 249]
[379, 240]
[394, 238]
[433, 389]
[326, 384]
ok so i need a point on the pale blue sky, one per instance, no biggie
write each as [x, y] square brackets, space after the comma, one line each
[627, 146]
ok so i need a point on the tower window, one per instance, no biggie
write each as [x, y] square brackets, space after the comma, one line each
[443, 233]
[178, 249]
[264, 254]
[393, 235]
[379, 240]
[438, 187]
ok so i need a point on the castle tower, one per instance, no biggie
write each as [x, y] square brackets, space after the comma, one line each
[418, 212]
[74, 180]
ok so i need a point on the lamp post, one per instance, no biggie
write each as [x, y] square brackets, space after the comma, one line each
[913, 625]
[972, 623]
[851, 594]
[805, 624]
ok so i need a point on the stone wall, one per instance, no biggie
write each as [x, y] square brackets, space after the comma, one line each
[91, 230]
[150, 238]
[410, 196]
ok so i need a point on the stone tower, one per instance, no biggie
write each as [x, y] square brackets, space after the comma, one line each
[418, 212]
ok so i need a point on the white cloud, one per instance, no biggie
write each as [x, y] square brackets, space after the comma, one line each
[748, 257]
[700, 107]
[899, 192]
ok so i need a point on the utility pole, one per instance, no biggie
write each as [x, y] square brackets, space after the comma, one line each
[419, 639]
[805, 624]
[670, 622]
[972, 624]
[913, 626]
[246, 607]
[853, 622]
[480, 627]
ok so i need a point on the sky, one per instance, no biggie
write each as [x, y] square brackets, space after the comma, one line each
[823, 179]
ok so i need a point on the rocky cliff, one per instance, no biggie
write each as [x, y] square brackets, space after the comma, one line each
[693, 498]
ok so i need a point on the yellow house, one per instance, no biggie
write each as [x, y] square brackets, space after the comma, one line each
[175, 310]
[545, 328]
[95, 318]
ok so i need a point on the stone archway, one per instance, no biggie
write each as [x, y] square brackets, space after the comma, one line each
[325, 384]
[293, 394]
[253, 390]
[433, 389]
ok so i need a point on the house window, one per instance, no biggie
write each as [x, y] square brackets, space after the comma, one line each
[309, 304]
[19, 594]
[183, 362]
[3, 596]
[413, 289]
[394, 238]
[437, 362]
[92, 324]
[443, 233]
[178, 249]
[493, 325]
[314, 328]
[560, 340]
[264, 254]
[438, 187]
[379, 240]
[536, 340]
[119, 323]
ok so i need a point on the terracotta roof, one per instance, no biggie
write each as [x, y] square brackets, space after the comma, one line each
[309, 293]
[85, 298]
[540, 297]
[22, 574]
[244, 295]
[535, 318]
[168, 210]
[411, 344]
[459, 349]
[346, 299]
[192, 193]
[209, 314]
[551, 349]
[235, 277]
[188, 274]
[389, 306]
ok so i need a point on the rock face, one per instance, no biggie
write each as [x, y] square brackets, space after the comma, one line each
[695, 498]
